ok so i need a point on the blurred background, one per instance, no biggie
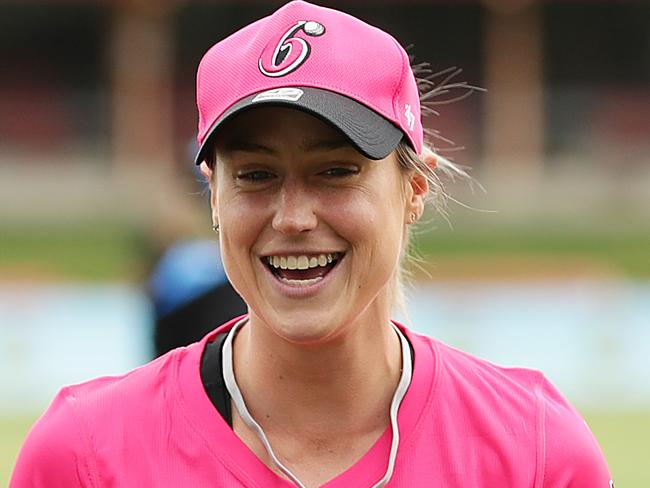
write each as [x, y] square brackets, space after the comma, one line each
[549, 268]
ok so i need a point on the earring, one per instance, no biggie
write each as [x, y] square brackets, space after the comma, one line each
[215, 228]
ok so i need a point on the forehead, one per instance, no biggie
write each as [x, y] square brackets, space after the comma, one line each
[280, 127]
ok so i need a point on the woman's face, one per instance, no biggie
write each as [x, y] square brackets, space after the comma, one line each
[311, 231]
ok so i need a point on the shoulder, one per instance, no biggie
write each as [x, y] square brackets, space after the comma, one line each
[566, 451]
[60, 448]
[55, 452]
[111, 396]
[504, 385]
[477, 399]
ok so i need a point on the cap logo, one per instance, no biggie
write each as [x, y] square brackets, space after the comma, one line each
[290, 94]
[410, 118]
[290, 51]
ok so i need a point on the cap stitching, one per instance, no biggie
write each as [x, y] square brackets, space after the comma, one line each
[400, 81]
[199, 80]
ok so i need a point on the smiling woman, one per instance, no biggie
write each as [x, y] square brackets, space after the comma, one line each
[312, 144]
[306, 193]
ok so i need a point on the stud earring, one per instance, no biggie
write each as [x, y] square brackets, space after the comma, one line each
[215, 228]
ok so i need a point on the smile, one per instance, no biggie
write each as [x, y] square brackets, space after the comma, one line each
[302, 270]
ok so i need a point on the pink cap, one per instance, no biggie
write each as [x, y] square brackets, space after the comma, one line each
[319, 60]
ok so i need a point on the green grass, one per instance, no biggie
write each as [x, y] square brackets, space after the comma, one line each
[86, 251]
[620, 248]
[625, 440]
[114, 250]
[12, 433]
[623, 437]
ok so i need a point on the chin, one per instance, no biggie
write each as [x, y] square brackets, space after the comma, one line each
[306, 327]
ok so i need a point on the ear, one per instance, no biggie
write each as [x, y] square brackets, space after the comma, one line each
[208, 173]
[418, 187]
[430, 158]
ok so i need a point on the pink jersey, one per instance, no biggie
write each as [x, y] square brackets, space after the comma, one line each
[463, 423]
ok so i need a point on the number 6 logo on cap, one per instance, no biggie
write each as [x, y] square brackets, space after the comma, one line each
[290, 52]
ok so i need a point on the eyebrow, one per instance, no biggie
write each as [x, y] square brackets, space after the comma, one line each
[325, 144]
[235, 145]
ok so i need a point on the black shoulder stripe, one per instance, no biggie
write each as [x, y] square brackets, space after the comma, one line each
[212, 377]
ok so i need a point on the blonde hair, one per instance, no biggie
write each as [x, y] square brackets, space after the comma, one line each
[436, 88]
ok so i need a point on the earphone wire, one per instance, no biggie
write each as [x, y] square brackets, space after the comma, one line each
[400, 393]
[240, 404]
[235, 393]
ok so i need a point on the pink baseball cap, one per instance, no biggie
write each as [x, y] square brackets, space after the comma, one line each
[321, 61]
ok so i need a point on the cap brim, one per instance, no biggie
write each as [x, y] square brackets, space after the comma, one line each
[371, 134]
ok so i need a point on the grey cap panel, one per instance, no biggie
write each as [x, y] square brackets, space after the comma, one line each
[370, 133]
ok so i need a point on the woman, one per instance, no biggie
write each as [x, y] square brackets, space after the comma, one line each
[312, 144]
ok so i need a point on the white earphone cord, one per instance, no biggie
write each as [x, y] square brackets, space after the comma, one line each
[238, 399]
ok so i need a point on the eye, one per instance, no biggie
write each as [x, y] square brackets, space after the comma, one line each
[339, 172]
[255, 176]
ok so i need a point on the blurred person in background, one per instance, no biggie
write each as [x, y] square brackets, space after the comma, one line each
[190, 292]
[312, 144]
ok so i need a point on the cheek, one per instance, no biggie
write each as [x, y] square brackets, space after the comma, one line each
[386, 218]
[240, 215]
[241, 223]
[373, 226]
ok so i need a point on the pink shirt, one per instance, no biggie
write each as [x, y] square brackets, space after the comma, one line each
[463, 423]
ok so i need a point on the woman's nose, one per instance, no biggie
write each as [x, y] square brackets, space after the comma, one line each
[294, 211]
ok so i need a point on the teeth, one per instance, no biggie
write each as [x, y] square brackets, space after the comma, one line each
[302, 261]
[302, 282]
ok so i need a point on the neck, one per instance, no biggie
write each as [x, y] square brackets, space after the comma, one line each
[343, 384]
